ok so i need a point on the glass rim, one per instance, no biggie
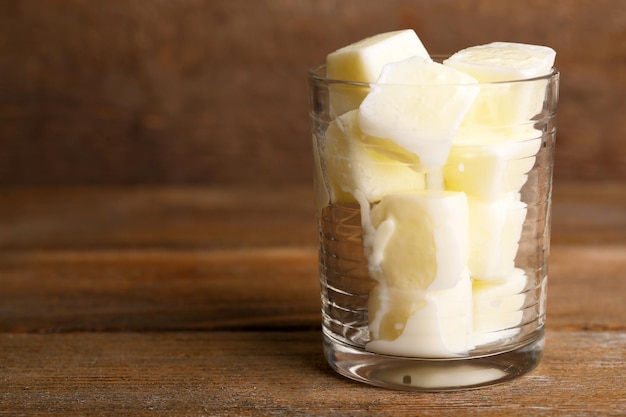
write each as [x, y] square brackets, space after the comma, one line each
[318, 73]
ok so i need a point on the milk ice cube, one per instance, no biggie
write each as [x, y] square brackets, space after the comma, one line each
[363, 61]
[503, 104]
[354, 163]
[487, 163]
[419, 105]
[419, 240]
[503, 61]
[495, 228]
[498, 307]
[441, 327]
[390, 307]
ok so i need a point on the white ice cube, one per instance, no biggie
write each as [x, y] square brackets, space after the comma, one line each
[419, 105]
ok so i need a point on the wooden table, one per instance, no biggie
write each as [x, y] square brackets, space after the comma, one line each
[204, 302]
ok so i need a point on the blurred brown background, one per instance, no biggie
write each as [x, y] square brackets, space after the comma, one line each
[214, 91]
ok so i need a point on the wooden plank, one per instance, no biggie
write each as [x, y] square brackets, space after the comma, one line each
[159, 290]
[280, 373]
[245, 289]
[235, 217]
[215, 91]
[589, 213]
[138, 268]
[156, 217]
[148, 258]
[586, 287]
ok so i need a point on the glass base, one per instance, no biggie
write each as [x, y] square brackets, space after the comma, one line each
[411, 374]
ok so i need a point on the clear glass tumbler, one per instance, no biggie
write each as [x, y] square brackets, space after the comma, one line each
[433, 275]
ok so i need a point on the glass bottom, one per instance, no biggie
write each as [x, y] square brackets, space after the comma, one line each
[412, 374]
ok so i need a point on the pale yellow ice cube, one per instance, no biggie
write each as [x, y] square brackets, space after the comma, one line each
[498, 307]
[495, 229]
[420, 240]
[389, 308]
[363, 61]
[440, 326]
[503, 103]
[487, 163]
[503, 61]
[354, 162]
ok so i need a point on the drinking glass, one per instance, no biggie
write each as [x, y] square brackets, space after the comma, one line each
[487, 328]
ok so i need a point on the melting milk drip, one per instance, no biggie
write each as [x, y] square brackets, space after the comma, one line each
[436, 162]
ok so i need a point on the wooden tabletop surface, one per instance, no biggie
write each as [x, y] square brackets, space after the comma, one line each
[200, 301]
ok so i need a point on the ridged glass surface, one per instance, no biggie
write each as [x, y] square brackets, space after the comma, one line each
[505, 172]
[346, 282]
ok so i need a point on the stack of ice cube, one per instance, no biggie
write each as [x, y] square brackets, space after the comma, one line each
[436, 154]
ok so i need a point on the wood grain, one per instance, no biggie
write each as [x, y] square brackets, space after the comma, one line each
[213, 217]
[156, 217]
[280, 373]
[214, 91]
[204, 301]
[159, 290]
[589, 213]
[247, 290]
[206, 258]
